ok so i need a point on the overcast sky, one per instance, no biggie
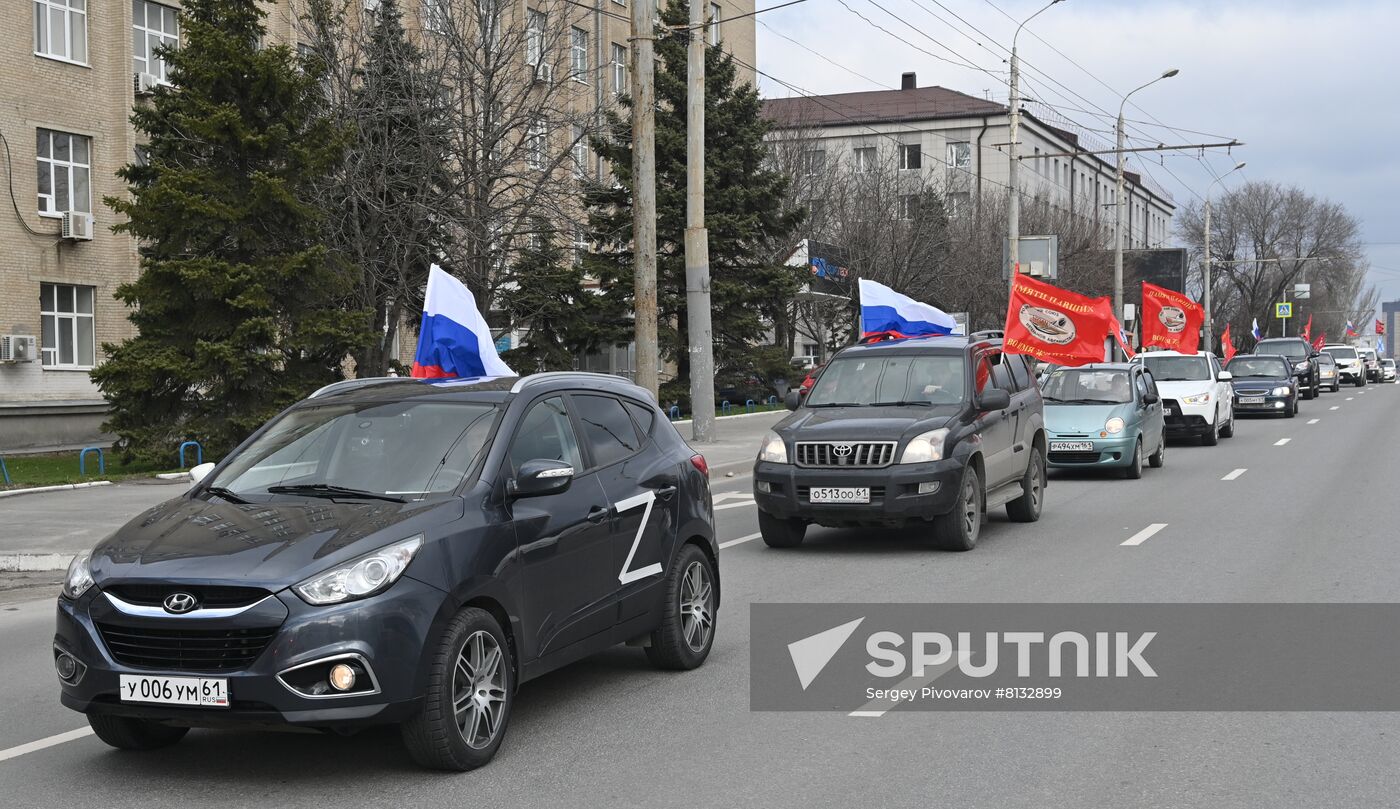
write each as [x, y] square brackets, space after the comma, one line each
[1309, 87]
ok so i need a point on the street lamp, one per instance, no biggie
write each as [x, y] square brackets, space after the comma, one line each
[1013, 211]
[1205, 263]
[1118, 203]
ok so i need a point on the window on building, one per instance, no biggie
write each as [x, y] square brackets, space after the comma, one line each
[911, 156]
[958, 202]
[619, 68]
[578, 54]
[489, 20]
[813, 161]
[534, 37]
[865, 158]
[371, 5]
[581, 246]
[908, 206]
[714, 24]
[60, 29]
[433, 17]
[959, 155]
[579, 151]
[536, 144]
[153, 26]
[1039, 168]
[65, 313]
[65, 168]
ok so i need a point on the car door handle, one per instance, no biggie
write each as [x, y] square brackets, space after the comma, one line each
[666, 492]
[597, 514]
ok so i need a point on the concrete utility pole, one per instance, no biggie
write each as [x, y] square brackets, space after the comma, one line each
[1013, 177]
[644, 194]
[1205, 262]
[1118, 206]
[697, 238]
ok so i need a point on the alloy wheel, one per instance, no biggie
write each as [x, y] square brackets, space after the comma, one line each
[972, 511]
[478, 689]
[697, 606]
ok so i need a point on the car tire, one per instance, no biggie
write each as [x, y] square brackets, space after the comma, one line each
[1210, 437]
[1227, 430]
[1134, 470]
[687, 630]
[1027, 507]
[474, 645]
[1158, 459]
[127, 733]
[959, 528]
[1291, 409]
[780, 533]
[1360, 382]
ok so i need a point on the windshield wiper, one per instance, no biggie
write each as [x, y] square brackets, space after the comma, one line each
[837, 404]
[227, 494]
[903, 403]
[331, 490]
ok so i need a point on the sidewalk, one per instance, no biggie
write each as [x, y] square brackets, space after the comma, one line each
[738, 436]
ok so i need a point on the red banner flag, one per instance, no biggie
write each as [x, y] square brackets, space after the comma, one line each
[1170, 319]
[1227, 345]
[1320, 341]
[1307, 330]
[1058, 326]
[1380, 328]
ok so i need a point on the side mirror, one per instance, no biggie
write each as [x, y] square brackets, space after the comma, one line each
[994, 399]
[1225, 376]
[793, 400]
[1151, 398]
[1315, 355]
[540, 476]
[201, 472]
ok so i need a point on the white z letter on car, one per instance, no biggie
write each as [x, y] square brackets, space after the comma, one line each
[648, 499]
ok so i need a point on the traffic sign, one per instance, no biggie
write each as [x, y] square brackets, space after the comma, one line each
[1283, 310]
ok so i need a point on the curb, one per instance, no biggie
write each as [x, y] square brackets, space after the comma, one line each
[719, 418]
[34, 562]
[62, 488]
[174, 476]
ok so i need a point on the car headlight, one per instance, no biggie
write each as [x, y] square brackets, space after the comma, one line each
[1202, 398]
[1113, 426]
[925, 447]
[360, 577]
[79, 576]
[773, 449]
[1281, 390]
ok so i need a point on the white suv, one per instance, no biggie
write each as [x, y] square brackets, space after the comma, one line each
[1349, 364]
[1197, 399]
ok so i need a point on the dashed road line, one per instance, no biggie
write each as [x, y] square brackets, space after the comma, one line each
[738, 504]
[1145, 534]
[1335, 407]
[1282, 441]
[41, 744]
[731, 543]
[1350, 398]
[1235, 474]
[1313, 421]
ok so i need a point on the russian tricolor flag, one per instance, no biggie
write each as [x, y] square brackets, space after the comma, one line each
[454, 341]
[1255, 330]
[884, 311]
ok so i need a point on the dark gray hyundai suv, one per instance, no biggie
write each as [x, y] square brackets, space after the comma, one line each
[930, 431]
[393, 551]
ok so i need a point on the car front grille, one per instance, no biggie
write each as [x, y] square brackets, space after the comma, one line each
[1076, 456]
[845, 454]
[185, 649]
[207, 596]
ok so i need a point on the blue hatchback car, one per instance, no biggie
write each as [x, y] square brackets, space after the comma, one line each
[1104, 415]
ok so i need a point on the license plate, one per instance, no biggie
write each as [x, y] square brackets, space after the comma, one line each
[1071, 446]
[1251, 400]
[839, 494]
[205, 692]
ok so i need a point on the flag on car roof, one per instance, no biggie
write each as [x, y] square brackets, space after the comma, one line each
[1380, 345]
[1059, 326]
[1255, 330]
[1351, 330]
[1170, 319]
[1320, 341]
[1380, 327]
[1227, 345]
[1307, 330]
[454, 341]
[884, 312]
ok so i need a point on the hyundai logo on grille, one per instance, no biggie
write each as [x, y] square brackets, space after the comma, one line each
[180, 603]
[841, 450]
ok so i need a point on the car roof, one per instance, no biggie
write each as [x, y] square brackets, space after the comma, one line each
[493, 389]
[1172, 354]
[1268, 356]
[1100, 366]
[937, 344]
[1277, 339]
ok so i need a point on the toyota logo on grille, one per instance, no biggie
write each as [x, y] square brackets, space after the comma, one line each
[841, 450]
[180, 603]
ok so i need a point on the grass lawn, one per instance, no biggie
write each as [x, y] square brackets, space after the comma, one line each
[52, 470]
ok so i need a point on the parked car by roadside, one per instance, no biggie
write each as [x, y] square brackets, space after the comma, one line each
[1196, 398]
[1104, 415]
[1350, 368]
[1328, 372]
[1264, 383]
[932, 431]
[1387, 370]
[1302, 356]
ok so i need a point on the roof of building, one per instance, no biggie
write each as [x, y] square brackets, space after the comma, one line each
[918, 104]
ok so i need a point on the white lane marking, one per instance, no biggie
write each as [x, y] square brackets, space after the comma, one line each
[1235, 474]
[720, 498]
[1145, 534]
[734, 505]
[731, 543]
[1282, 441]
[1335, 407]
[1349, 398]
[1312, 421]
[871, 714]
[31, 747]
[877, 708]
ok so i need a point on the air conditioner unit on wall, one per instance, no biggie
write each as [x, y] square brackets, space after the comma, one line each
[77, 226]
[144, 84]
[19, 348]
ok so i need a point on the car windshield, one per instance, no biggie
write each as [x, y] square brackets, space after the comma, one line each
[1246, 367]
[890, 379]
[1292, 349]
[1342, 353]
[1388, 363]
[1177, 369]
[399, 450]
[1083, 386]
[1325, 359]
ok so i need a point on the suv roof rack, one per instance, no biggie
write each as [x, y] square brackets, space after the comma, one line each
[583, 376]
[987, 334]
[352, 384]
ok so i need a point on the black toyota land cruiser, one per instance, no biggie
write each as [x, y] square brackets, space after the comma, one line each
[932, 430]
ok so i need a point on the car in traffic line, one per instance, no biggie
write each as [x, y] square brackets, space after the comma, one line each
[1264, 383]
[1196, 398]
[1104, 415]
[1387, 370]
[1302, 356]
[1371, 362]
[930, 431]
[1350, 367]
[391, 551]
[1328, 372]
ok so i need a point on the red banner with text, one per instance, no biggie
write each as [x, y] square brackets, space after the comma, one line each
[1170, 319]
[1058, 326]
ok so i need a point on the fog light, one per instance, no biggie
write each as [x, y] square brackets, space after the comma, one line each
[928, 487]
[764, 486]
[1278, 405]
[342, 677]
[66, 666]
